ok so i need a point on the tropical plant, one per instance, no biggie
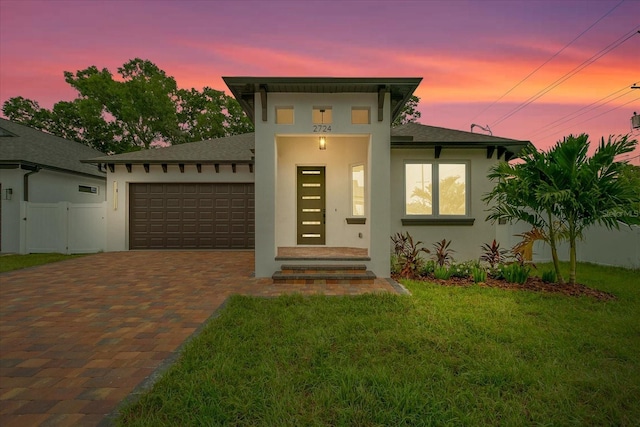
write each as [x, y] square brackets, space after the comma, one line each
[515, 273]
[549, 276]
[492, 254]
[442, 272]
[565, 186]
[463, 269]
[407, 253]
[479, 274]
[515, 196]
[428, 267]
[442, 254]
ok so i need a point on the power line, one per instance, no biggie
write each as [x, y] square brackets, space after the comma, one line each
[548, 60]
[568, 75]
[564, 119]
[594, 117]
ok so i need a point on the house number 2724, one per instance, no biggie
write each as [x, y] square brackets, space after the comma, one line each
[322, 128]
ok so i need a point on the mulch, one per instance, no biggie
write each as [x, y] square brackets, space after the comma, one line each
[534, 284]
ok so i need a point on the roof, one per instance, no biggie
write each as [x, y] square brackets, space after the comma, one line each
[24, 146]
[416, 135]
[230, 149]
[245, 88]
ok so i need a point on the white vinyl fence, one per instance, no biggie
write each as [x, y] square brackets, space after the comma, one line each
[68, 228]
[599, 245]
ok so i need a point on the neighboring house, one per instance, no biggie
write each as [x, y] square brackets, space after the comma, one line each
[324, 169]
[38, 167]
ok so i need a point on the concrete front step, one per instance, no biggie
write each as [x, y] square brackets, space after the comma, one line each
[344, 269]
[324, 274]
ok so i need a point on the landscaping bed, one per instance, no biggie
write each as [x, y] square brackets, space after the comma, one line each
[534, 284]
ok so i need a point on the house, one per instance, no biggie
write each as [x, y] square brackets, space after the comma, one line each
[37, 167]
[324, 178]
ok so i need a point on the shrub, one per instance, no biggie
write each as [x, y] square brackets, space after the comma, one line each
[408, 254]
[549, 276]
[463, 269]
[442, 272]
[442, 255]
[515, 273]
[395, 264]
[479, 274]
[493, 254]
[428, 268]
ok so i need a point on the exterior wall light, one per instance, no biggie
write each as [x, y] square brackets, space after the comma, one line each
[8, 193]
[323, 143]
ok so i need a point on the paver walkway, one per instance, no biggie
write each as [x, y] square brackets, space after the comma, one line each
[76, 337]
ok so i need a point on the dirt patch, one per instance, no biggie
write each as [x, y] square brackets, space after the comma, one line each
[534, 284]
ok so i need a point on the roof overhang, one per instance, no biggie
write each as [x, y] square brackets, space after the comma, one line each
[244, 89]
[510, 149]
[31, 166]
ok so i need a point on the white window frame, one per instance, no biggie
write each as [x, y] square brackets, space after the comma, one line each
[435, 176]
[364, 190]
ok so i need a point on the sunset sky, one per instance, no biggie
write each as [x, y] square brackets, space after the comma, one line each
[469, 53]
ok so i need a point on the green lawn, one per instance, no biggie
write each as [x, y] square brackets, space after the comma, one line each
[444, 356]
[16, 262]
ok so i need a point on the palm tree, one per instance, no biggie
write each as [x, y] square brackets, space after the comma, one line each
[590, 190]
[517, 197]
[564, 191]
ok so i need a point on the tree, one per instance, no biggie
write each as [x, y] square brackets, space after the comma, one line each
[140, 107]
[564, 191]
[515, 198]
[409, 113]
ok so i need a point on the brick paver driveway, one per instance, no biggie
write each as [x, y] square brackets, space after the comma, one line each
[76, 337]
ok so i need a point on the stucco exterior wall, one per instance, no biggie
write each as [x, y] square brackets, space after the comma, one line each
[465, 240]
[45, 186]
[118, 191]
[267, 166]
[340, 155]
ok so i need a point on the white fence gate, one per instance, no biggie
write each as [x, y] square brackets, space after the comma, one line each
[68, 228]
[599, 245]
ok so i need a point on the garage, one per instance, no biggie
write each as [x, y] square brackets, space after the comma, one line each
[191, 216]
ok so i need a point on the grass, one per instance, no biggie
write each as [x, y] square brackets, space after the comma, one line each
[16, 262]
[444, 356]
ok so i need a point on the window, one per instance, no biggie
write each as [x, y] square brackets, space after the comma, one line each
[436, 189]
[284, 115]
[87, 189]
[357, 190]
[322, 115]
[360, 115]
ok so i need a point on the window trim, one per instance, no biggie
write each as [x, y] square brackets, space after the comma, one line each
[364, 190]
[436, 218]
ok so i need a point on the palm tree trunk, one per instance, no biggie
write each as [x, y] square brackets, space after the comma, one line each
[572, 253]
[554, 250]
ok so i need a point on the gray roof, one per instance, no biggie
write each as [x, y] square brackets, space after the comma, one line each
[22, 145]
[239, 148]
[230, 149]
[416, 135]
[244, 89]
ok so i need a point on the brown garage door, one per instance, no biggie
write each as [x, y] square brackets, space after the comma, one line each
[191, 216]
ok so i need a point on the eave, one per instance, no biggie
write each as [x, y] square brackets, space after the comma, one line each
[244, 90]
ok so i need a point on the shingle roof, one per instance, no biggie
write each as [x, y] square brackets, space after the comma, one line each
[21, 144]
[239, 148]
[416, 135]
[236, 148]
[425, 133]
